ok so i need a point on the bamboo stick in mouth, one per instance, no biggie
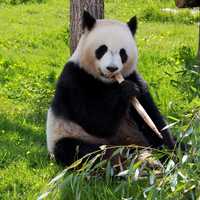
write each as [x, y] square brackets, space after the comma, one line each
[141, 111]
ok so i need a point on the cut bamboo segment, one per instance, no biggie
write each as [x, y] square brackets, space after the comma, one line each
[141, 110]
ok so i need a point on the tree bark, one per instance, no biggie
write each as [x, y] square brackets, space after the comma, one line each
[187, 3]
[95, 7]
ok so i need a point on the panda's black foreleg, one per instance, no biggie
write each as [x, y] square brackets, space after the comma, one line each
[152, 110]
[68, 150]
[147, 102]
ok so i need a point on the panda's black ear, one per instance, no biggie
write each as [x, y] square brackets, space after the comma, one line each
[88, 21]
[132, 24]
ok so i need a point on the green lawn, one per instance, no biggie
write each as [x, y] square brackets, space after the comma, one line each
[33, 50]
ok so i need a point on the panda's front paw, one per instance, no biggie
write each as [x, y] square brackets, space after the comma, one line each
[143, 87]
[130, 89]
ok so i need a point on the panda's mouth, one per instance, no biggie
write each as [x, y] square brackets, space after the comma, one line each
[110, 76]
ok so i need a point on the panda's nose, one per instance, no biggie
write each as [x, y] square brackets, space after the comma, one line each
[112, 69]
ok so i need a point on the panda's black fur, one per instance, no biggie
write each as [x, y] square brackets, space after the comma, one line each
[98, 107]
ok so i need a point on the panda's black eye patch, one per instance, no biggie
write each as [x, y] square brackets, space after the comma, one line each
[123, 55]
[101, 51]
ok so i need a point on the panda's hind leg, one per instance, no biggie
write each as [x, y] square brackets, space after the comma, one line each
[68, 150]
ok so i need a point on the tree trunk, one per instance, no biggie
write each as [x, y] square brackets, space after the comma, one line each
[95, 7]
[187, 3]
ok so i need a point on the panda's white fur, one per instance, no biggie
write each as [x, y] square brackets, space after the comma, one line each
[115, 35]
[58, 128]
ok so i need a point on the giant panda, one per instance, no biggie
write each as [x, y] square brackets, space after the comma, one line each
[90, 108]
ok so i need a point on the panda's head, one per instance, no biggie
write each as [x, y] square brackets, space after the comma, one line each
[107, 47]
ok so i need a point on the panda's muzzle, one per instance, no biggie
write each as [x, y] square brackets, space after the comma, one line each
[112, 68]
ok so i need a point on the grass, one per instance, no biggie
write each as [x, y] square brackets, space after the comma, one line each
[33, 50]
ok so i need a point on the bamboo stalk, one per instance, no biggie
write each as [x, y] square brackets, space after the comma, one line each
[141, 110]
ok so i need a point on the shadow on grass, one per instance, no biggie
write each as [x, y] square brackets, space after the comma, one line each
[19, 142]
